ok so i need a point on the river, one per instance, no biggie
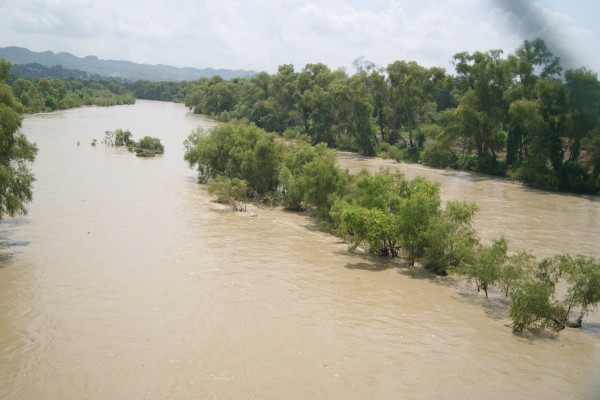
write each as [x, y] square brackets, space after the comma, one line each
[126, 281]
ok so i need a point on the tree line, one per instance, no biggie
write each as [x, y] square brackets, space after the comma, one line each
[517, 115]
[49, 94]
[390, 215]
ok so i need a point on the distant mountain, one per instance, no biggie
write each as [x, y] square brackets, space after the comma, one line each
[115, 69]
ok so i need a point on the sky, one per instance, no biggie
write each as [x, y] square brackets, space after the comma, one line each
[260, 35]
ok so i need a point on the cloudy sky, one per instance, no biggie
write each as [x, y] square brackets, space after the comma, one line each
[263, 34]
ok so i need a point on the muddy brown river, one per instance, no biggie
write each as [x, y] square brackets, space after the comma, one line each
[126, 281]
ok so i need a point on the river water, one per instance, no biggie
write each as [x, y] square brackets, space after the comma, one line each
[126, 282]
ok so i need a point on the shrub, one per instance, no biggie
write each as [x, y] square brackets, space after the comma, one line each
[412, 154]
[439, 155]
[148, 147]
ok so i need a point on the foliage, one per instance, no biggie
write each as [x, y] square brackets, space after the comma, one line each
[439, 155]
[236, 150]
[373, 226]
[148, 147]
[536, 303]
[387, 212]
[488, 264]
[532, 306]
[230, 191]
[308, 176]
[451, 239]
[16, 152]
[118, 137]
[44, 94]
[514, 270]
[394, 216]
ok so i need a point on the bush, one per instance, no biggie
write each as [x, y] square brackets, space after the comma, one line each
[230, 191]
[439, 155]
[412, 154]
[123, 138]
[148, 147]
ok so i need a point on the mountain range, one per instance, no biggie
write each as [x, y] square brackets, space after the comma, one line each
[123, 70]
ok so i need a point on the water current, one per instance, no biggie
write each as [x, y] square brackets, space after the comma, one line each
[126, 281]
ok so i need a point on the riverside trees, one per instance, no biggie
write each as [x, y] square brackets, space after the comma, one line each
[16, 152]
[517, 115]
[392, 216]
[389, 215]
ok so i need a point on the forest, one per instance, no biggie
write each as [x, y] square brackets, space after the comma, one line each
[519, 115]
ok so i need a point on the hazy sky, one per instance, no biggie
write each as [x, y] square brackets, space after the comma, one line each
[263, 34]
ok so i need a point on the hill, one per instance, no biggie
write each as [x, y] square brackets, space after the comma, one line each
[126, 70]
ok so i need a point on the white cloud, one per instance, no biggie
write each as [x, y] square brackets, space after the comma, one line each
[262, 34]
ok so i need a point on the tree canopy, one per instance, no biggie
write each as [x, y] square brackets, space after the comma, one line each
[16, 152]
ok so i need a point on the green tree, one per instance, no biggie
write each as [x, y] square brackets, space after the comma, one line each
[410, 93]
[516, 268]
[148, 147]
[488, 264]
[536, 304]
[419, 202]
[451, 239]
[479, 119]
[353, 113]
[16, 152]
[532, 306]
[230, 191]
[236, 150]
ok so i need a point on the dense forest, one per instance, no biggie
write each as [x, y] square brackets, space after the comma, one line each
[49, 94]
[518, 115]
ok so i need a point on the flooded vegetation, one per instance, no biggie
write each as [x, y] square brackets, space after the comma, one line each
[126, 280]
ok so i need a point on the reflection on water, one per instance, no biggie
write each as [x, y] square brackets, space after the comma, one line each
[126, 281]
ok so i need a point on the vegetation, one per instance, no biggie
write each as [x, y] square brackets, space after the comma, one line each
[535, 300]
[230, 191]
[145, 147]
[148, 147]
[41, 95]
[389, 215]
[517, 115]
[16, 152]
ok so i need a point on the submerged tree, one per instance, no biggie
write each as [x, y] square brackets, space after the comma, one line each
[148, 147]
[15, 153]
[535, 302]
[230, 191]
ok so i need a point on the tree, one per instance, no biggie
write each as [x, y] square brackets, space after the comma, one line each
[536, 304]
[582, 277]
[16, 152]
[230, 191]
[236, 150]
[451, 239]
[516, 268]
[531, 306]
[418, 203]
[410, 91]
[479, 119]
[365, 213]
[118, 138]
[148, 147]
[488, 264]
[353, 115]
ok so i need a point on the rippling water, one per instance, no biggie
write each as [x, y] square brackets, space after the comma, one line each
[126, 281]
